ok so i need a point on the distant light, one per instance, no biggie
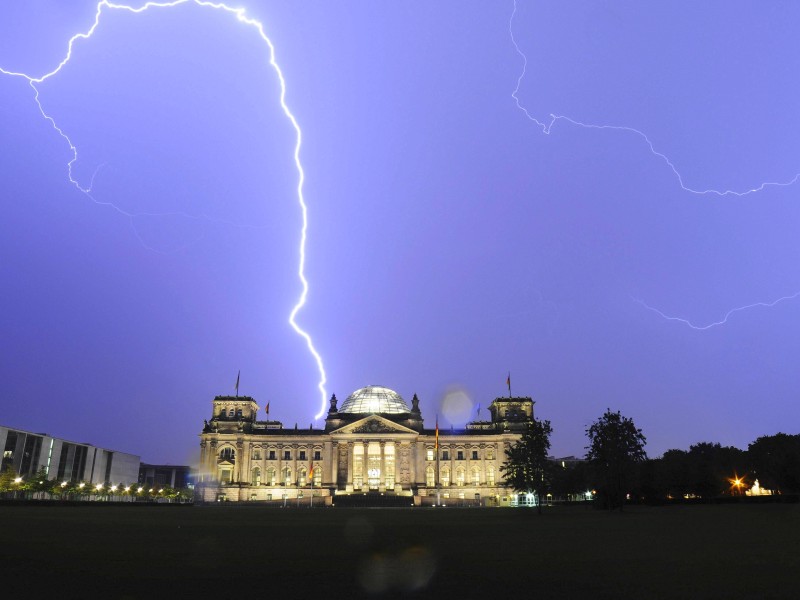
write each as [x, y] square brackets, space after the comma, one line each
[99, 486]
[141, 489]
[128, 489]
[113, 488]
[63, 484]
[82, 485]
[159, 491]
[18, 480]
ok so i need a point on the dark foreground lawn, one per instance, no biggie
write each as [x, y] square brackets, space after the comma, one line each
[740, 551]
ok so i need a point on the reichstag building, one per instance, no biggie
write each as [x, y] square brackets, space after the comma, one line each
[373, 446]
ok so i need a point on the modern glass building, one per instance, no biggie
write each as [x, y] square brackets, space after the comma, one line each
[27, 453]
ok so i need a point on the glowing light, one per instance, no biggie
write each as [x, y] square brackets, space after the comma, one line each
[547, 127]
[18, 480]
[239, 13]
[724, 319]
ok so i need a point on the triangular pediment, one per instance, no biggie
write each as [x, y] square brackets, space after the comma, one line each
[372, 424]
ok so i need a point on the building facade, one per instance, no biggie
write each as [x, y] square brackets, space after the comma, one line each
[28, 453]
[374, 444]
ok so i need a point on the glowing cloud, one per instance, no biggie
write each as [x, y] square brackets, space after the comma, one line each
[240, 15]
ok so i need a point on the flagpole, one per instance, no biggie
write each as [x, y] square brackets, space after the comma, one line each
[436, 450]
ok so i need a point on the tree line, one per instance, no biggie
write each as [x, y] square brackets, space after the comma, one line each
[39, 487]
[616, 467]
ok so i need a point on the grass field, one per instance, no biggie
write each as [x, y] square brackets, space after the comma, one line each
[738, 551]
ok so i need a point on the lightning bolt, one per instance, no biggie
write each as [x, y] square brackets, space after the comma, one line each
[239, 14]
[547, 126]
[724, 319]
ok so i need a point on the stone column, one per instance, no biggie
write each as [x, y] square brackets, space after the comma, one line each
[332, 448]
[382, 480]
[365, 467]
[350, 448]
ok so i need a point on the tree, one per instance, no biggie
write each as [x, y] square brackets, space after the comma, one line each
[776, 461]
[527, 468]
[616, 447]
[38, 483]
[711, 466]
[8, 481]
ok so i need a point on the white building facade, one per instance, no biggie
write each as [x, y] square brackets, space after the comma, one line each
[374, 449]
[27, 453]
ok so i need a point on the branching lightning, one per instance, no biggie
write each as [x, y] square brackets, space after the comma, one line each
[240, 15]
[547, 127]
[721, 321]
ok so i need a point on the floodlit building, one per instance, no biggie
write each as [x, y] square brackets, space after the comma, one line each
[373, 448]
[27, 453]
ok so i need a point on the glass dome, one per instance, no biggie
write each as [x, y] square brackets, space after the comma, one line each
[374, 399]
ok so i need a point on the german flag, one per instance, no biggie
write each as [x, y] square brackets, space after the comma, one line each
[436, 443]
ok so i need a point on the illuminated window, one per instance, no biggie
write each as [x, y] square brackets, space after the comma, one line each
[489, 454]
[429, 454]
[225, 475]
[256, 454]
[271, 476]
[445, 476]
[475, 476]
[490, 475]
[255, 476]
[301, 476]
[460, 476]
[429, 477]
[230, 413]
[286, 476]
[318, 476]
[239, 413]
[227, 454]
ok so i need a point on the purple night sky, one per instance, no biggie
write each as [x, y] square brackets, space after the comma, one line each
[451, 238]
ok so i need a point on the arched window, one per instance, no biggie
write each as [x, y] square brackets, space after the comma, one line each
[239, 412]
[255, 476]
[301, 476]
[475, 477]
[286, 476]
[490, 475]
[271, 476]
[445, 476]
[230, 413]
[429, 477]
[256, 454]
[460, 476]
[228, 454]
[318, 475]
